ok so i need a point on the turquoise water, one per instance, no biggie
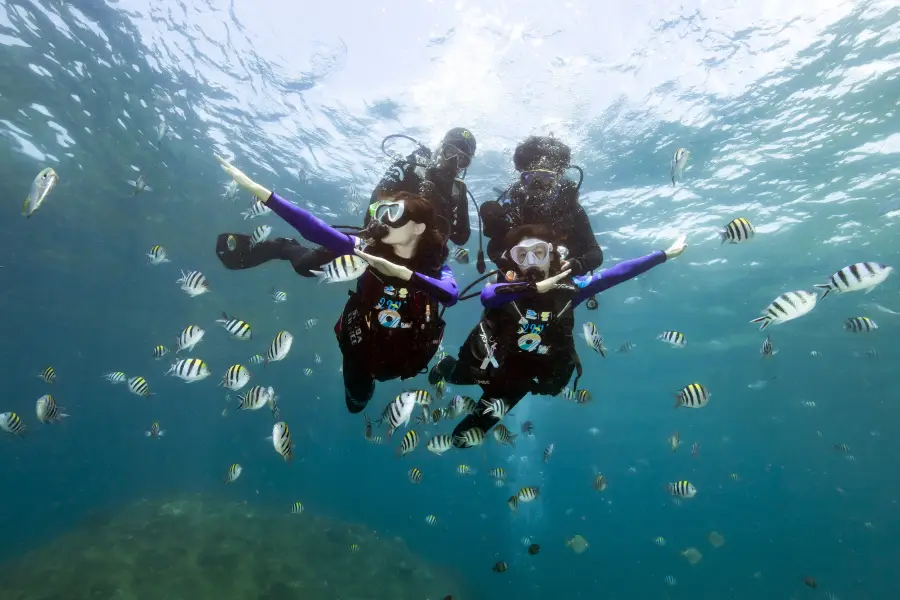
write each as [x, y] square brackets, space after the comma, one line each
[790, 112]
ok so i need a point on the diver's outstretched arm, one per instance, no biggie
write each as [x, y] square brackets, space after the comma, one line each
[622, 272]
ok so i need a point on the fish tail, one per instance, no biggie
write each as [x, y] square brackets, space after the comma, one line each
[823, 286]
[764, 320]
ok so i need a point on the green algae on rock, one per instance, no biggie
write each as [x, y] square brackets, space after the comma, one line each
[200, 548]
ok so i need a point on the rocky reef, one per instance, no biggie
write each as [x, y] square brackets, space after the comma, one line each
[203, 548]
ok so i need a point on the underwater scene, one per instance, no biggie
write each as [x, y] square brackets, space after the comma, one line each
[449, 300]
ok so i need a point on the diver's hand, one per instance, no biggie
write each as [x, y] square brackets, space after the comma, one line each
[385, 266]
[261, 193]
[550, 283]
[676, 249]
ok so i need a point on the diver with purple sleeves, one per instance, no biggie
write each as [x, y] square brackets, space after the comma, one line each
[390, 327]
[524, 341]
[437, 176]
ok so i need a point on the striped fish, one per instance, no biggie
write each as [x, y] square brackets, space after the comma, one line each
[257, 209]
[738, 231]
[260, 234]
[234, 471]
[155, 431]
[239, 330]
[281, 440]
[513, 503]
[497, 408]
[439, 444]
[157, 256]
[190, 337]
[47, 411]
[236, 377]
[627, 347]
[527, 494]
[431, 519]
[48, 375]
[410, 442]
[860, 324]
[675, 338]
[399, 411]
[343, 268]
[116, 377]
[599, 482]
[190, 370]
[693, 395]
[497, 473]
[593, 338]
[296, 508]
[767, 350]
[193, 283]
[278, 296]
[787, 307]
[256, 397]
[11, 423]
[461, 255]
[415, 475]
[682, 489]
[279, 348]
[138, 386]
[257, 359]
[469, 438]
[548, 452]
[504, 436]
[855, 278]
[159, 352]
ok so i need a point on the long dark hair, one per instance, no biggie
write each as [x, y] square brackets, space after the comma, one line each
[431, 251]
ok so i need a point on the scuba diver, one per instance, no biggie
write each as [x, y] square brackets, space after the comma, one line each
[543, 196]
[435, 177]
[390, 327]
[524, 342]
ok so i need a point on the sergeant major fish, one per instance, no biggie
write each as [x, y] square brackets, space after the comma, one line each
[190, 337]
[855, 278]
[193, 283]
[279, 348]
[593, 338]
[257, 209]
[693, 395]
[190, 370]
[259, 235]
[155, 431]
[738, 231]
[281, 441]
[157, 256]
[47, 411]
[41, 187]
[342, 269]
[11, 423]
[239, 330]
[786, 307]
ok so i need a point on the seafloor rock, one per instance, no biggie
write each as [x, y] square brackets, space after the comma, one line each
[200, 548]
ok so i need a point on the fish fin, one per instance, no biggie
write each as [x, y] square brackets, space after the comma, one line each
[867, 290]
[826, 287]
[147, 434]
[320, 275]
[764, 320]
[25, 207]
[161, 433]
[677, 401]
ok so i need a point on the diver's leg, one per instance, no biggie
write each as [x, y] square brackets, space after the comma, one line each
[359, 385]
[243, 256]
[483, 421]
[305, 260]
[457, 371]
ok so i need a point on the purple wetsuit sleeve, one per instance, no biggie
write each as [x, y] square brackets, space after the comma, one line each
[444, 290]
[622, 272]
[494, 294]
[310, 226]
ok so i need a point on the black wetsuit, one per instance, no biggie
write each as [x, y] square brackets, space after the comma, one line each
[519, 370]
[389, 329]
[447, 193]
[565, 215]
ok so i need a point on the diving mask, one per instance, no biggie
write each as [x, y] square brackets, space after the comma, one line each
[450, 152]
[390, 212]
[533, 254]
[542, 177]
